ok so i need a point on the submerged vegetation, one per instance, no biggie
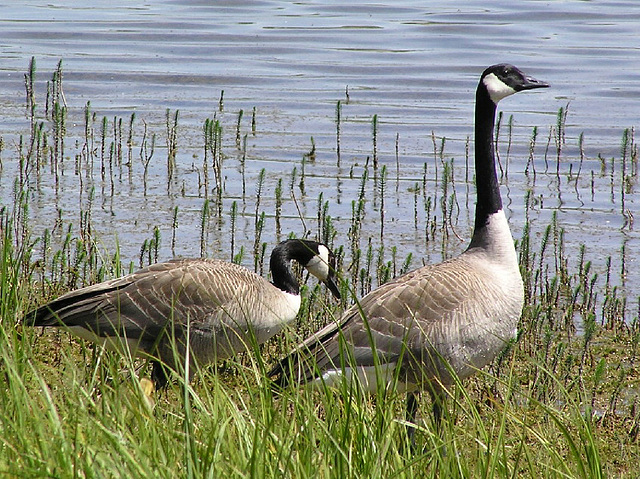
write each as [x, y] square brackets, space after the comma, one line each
[562, 401]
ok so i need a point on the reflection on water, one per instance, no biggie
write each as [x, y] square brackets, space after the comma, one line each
[413, 65]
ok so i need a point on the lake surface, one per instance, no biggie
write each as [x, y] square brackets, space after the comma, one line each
[412, 64]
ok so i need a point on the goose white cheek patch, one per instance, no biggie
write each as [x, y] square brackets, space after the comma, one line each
[319, 264]
[497, 88]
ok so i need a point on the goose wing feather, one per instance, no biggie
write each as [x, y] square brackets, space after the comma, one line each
[204, 294]
[416, 315]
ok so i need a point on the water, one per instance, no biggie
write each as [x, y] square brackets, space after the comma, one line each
[413, 65]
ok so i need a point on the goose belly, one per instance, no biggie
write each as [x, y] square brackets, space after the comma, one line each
[371, 378]
[468, 345]
[244, 328]
[120, 344]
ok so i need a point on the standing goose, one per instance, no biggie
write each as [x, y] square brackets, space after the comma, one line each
[222, 308]
[452, 317]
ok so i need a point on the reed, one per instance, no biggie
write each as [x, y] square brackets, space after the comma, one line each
[496, 141]
[2, 146]
[338, 130]
[130, 143]
[254, 122]
[509, 144]
[171, 122]
[278, 213]
[117, 135]
[374, 151]
[234, 217]
[259, 220]
[174, 228]
[311, 154]
[416, 196]
[29, 84]
[243, 161]
[576, 178]
[382, 186]
[239, 129]
[397, 156]
[58, 121]
[320, 215]
[103, 148]
[147, 149]
[204, 227]
[213, 154]
[301, 182]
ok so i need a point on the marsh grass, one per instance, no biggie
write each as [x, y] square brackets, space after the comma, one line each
[561, 401]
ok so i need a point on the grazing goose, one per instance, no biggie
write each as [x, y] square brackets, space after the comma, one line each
[222, 308]
[453, 317]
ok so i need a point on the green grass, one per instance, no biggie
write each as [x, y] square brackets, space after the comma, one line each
[71, 411]
[561, 402]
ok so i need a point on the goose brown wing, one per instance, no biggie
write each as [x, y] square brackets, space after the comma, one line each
[199, 292]
[390, 321]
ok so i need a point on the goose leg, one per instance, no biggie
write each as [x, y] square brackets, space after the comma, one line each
[412, 408]
[437, 412]
[159, 375]
[437, 399]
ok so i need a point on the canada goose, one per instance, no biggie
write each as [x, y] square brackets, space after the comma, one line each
[222, 308]
[453, 317]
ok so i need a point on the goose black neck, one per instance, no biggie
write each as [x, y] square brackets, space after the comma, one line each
[487, 187]
[280, 263]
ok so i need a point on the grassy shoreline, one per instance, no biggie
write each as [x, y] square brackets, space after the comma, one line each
[561, 402]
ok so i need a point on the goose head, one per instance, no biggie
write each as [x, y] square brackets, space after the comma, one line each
[323, 266]
[503, 80]
[315, 257]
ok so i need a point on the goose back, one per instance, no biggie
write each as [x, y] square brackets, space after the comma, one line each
[220, 306]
